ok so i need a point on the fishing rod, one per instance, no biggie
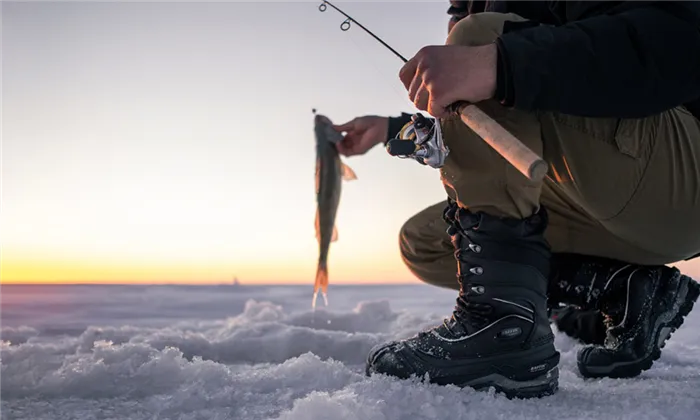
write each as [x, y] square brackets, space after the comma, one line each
[422, 139]
[346, 25]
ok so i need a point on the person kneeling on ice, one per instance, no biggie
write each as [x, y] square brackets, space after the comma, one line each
[608, 94]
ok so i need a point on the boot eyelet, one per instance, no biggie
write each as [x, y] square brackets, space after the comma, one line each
[477, 270]
[475, 248]
[478, 289]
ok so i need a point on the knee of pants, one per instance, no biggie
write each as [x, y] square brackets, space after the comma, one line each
[434, 273]
[426, 256]
[407, 240]
[480, 28]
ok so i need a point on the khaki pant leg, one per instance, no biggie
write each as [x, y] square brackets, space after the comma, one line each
[426, 248]
[572, 230]
[638, 179]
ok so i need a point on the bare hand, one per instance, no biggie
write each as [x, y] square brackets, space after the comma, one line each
[438, 76]
[363, 133]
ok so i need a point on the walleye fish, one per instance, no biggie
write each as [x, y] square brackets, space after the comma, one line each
[330, 173]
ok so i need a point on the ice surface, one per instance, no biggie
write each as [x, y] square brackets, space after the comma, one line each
[168, 352]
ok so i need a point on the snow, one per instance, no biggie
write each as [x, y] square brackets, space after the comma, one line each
[253, 352]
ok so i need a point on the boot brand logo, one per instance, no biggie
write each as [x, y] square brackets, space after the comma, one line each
[510, 332]
[537, 368]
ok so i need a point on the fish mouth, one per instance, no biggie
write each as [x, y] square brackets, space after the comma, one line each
[325, 132]
[322, 120]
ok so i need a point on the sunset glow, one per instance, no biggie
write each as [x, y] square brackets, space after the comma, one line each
[169, 142]
[62, 271]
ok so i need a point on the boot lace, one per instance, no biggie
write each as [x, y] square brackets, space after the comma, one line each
[469, 313]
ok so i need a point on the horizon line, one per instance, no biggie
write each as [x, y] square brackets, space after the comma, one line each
[408, 283]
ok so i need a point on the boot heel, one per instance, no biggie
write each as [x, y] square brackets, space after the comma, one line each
[688, 292]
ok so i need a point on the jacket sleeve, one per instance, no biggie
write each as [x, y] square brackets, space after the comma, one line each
[631, 64]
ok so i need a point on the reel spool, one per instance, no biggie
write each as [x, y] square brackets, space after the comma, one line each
[421, 139]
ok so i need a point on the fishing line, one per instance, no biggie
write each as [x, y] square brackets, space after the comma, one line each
[402, 95]
[347, 23]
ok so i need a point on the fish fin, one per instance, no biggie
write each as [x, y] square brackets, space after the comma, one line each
[334, 237]
[317, 223]
[347, 172]
[321, 284]
[318, 175]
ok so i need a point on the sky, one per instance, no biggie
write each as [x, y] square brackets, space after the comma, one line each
[172, 142]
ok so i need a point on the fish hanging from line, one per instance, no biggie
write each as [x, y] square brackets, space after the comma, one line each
[330, 174]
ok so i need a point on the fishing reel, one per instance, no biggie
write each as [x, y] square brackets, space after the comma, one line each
[420, 139]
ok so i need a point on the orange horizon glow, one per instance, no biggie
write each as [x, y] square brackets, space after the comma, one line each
[44, 271]
[54, 271]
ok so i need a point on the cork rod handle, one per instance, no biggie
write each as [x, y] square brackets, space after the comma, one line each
[512, 149]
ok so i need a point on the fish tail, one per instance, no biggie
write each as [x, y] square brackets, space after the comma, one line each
[321, 283]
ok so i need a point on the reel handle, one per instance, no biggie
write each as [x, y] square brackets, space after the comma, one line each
[398, 147]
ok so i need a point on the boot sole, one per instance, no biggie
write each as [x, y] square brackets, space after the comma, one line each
[507, 379]
[689, 290]
[542, 386]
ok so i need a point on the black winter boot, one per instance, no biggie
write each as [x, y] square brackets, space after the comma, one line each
[640, 307]
[499, 334]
